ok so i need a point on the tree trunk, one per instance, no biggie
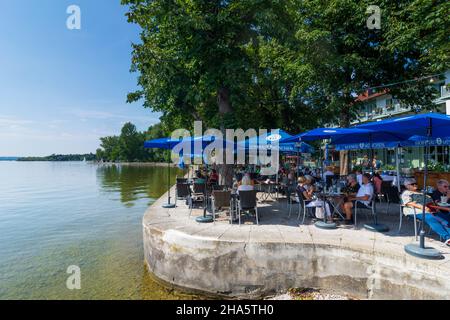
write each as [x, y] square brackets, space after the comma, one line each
[343, 155]
[223, 100]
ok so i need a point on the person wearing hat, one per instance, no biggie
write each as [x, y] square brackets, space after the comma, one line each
[412, 199]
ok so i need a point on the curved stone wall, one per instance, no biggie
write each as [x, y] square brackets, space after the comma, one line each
[243, 269]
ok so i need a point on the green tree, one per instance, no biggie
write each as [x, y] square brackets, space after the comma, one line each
[339, 56]
[111, 148]
[196, 58]
[131, 143]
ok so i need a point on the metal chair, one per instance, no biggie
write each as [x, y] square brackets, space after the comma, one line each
[417, 222]
[182, 192]
[247, 202]
[370, 207]
[199, 190]
[389, 193]
[302, 202]
[182, 180]
[220, 199]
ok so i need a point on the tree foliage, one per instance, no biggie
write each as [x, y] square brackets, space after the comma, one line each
[129, 145]
[291, 64]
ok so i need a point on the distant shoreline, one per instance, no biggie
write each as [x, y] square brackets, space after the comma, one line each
[149, 164]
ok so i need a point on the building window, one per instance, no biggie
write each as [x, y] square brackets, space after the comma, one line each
[390, 105]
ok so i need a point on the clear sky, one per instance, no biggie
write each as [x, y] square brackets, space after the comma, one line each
[61, 89]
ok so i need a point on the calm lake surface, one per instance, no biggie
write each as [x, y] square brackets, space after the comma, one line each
[57, 214]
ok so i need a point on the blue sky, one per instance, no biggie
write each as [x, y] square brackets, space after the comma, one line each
[61, 89]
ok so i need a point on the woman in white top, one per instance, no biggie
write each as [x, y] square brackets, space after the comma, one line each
[364, 197]
[246, 183]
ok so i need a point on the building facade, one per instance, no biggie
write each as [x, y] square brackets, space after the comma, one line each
[382, 105]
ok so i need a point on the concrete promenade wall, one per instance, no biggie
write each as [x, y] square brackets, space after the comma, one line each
[224, 260]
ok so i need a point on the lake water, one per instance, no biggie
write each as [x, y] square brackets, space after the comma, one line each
[57, 214]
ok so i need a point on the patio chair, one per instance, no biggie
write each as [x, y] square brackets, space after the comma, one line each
[182, 192]
[370, 207]
[247, 202]
[417, 222]
[218, 187]
[302, 203]
[389, 194]
[291, 190]
[182, 180]
[199, 190]
[220, 199]
[200, 193]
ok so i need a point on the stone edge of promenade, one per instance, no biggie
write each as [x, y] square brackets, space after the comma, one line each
[225, 260]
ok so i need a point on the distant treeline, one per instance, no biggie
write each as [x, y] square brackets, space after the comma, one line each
[129, 146]
[61, 157]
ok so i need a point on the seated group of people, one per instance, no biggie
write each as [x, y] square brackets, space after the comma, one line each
[355, 194]
[202, 177]
[436, 216]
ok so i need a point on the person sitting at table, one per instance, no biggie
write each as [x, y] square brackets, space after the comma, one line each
[441, 193]
[412, 199]
[362, 199]
[377, 182]
[304, 188]
[200, 178]
[310, 182]
[213, 177]
[352, 186]
[246, 184]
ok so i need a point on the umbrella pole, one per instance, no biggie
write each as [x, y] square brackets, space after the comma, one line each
[375, 226]
[419, 250]
[324, 224]
[397, 165]
[168, 204]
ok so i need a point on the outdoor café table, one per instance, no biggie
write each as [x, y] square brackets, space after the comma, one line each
[268, 189]
[329, 198]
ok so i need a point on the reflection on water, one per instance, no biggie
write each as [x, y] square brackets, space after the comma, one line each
[134, 182]
[53, 215]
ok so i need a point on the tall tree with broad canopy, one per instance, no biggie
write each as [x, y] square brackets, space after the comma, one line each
[293, 64]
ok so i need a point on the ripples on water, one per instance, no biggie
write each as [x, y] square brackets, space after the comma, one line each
[55, 214]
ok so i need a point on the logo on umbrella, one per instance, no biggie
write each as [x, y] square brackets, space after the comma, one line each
[273, 137]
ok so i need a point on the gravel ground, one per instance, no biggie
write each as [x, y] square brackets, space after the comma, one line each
[309, 294]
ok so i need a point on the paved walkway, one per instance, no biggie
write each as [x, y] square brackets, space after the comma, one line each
[276, 226]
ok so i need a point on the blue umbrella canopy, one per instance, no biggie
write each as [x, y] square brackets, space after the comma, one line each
[169, 143]
[267, 141]
[414, 125]
[411, 131]
[324, 133]
[414, 141]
